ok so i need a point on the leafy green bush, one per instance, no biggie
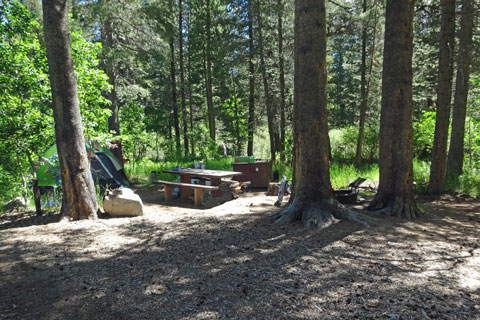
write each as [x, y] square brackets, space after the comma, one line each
[423, 132]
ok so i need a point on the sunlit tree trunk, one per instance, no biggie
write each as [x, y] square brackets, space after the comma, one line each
[79, 197]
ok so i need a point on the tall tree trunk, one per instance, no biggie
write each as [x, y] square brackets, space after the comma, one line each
[455, 153]
[176, 122]
[313, 202]
[79, 197]
[182, 77]
[365, 84]
[208, 74]
[266, 89]
[190, 87]
[251, 81]
[395, 191]
[110, 70]
[438, 166]
[282, 80]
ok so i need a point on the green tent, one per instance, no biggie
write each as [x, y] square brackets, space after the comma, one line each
[48, 170]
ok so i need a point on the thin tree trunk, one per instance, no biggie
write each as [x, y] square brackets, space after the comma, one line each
[456, 152]
[107, 42]
[282, 80]
[190, 87]
[176, 122]
[365, 89]
[79, 197]
[313, 202]
[36, 189]
[438, 166]
[208, 74]
[395, 193]
[251, 81]
[182, 78]
[22, 176]
[266, 89]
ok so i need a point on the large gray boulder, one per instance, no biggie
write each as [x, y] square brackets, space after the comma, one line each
[123, 202]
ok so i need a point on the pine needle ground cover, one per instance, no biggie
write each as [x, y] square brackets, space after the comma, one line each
[232, 262]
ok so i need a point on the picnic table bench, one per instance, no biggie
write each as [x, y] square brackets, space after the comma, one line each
[197, 190]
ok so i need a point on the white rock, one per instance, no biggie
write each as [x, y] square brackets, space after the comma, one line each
[123, 202]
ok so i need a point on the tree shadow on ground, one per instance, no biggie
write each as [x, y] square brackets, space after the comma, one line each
[22, 219]
[238, 266]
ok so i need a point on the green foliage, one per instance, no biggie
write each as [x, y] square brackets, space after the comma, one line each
[140, 171]
[26, 121]
[342, 175]
[344, 143]
[423, 132]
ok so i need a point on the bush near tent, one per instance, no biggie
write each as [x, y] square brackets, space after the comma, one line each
[106, 169]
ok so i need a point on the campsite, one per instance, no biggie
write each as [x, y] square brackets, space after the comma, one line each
[240, 159]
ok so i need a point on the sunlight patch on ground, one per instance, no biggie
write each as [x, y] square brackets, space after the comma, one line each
[469, 273]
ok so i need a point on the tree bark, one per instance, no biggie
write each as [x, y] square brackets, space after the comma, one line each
[312, 201]
[182, 77]
[395, 193]
[190, 88]
[110, 70]
[208, 74]
[79, 197]
[266, 90]
[281, 64]
[438, 166]
[173, 80]
[251, 81]
[456, 152]
[35, 187]
[365, 85]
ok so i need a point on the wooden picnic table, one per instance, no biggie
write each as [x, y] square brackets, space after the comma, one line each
[215, 177]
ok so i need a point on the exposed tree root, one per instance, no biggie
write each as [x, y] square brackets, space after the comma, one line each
[319, 213]
[400, 207]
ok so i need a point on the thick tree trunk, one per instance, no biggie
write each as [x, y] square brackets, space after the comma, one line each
[312, 201]
[438, 166]
[395, 192]
[79, 197]
[208, 75]
[173, 80]
[266, 90]
[182, 77]
[281, 64]
[251, 81]
[455, 153]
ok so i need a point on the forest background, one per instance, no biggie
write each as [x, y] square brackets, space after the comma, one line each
[184, 80]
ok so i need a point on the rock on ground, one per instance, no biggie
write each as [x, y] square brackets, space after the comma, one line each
[123, 202]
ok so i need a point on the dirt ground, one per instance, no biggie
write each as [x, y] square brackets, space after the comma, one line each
[231, 262]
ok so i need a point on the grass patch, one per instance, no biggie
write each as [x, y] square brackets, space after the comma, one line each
[139, 172]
